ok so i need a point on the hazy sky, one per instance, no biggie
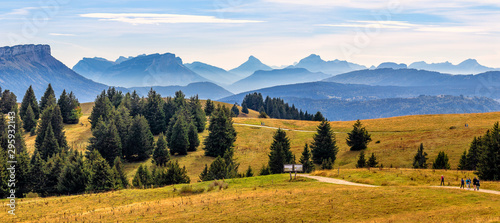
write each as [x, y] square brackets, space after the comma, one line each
[278, 32]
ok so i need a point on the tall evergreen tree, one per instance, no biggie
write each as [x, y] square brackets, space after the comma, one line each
[488, 167]
[462, 163]
[244, 109]
[121, 180]
[76, 111]
[441, 161]
[4, 174]
[122, 120]
[29, 121]
[280, 152]
[153, 112]
[102, 109]
[75, 175]
[235, 110]
[49, 146]
[178, 141]
[305, 160]
[19, 143]
[474, 154]
[161, 155]
[169, 109]
[106, 140]
[51, 117]
[198, 115]
[231, 164]
[361, 160]
[358, 138]
[175, 174]
[324, 144]
[53, 169]
[204, 174]
[142, 177]
[420, 159]
[8, 101]
[115, 96]
[37, 173]
[29, 99]
[65, 106]
[372, 161]
[318, 117]
[101, 176]
[217, 169]
[179, 99]
[222, 134]
[23, 176]
[135, 104]
[209, 107]
[141, 141]
[193, 139]
[48, 98]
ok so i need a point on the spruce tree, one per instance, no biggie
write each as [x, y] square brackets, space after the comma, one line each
[122, 120]
[209, 107]
[204, 174]
[65, 106]
[136, 104]
[361, 160]
[327, 164]
[29, 121]
[75, 175]
[23, 176]
[29, 99]
[372, 161]
[119, 173]
[235, 110]
[280, 152]
[175, 174]
[441, 161]
[221, 135]
[7, 102]
[198, 115]
[358, 138]
[76, 111]
[420, 159]
[462, 163]
[102, 109]
[231, 164]
[249, 172]
[161, 155]
[217, 169]
[179, 99]
[101, 176]
[488, 167]
[106, 140]
[49, 146]
[324, 144]
[48, 98]
[51, 116]
[19, 143]
[244, 109]
[474, 153]
[169, 109]
[193, 139]
[318, 117]
[153, 112]
[305, 160]
[178, 141]
[53, 168]
[4, 174]
[37, 173]
[142, 177]
[140, 141]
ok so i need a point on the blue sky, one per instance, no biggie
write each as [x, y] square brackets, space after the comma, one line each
[279, 32]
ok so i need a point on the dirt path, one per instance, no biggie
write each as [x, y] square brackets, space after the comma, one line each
[335, 181]
[269, 127]
[472, 190]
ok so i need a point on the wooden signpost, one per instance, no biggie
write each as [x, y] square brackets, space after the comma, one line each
[289, 168]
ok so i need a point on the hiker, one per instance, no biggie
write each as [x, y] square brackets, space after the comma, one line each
[477, 184]
[442, 180]
[474, 183]
[468, 183]
[462, 182]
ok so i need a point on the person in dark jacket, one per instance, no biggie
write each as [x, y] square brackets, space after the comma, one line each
[474, 183]
[462, 184]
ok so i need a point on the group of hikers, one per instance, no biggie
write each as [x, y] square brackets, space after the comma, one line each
[466, 183]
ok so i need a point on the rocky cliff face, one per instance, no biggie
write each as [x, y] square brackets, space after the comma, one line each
[25, 65]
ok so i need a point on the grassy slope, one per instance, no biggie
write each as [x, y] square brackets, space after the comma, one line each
[265, 199]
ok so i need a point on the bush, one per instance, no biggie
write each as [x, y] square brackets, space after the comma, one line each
[265, 170]
[327, 164]
[217, 184]
[188, 189]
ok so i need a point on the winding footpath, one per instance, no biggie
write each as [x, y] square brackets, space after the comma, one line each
[344, 182]
[269, 127]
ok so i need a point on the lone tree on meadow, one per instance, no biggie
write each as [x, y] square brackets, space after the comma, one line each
[221, 135]
[358, 138]
[441, 161]
[420, 159]
[280, 152]
[324, 145]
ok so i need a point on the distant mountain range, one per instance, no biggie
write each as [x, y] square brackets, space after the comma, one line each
[25, 65]
[155, 69]
[249, 67]
[262, 79]
[469, 66]
[392, 65]
[216, 74]
[314, 63]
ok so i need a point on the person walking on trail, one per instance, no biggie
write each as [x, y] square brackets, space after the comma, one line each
[468, 183]
[462, 184]
[477, 184]
[474, 183]
[442, 180]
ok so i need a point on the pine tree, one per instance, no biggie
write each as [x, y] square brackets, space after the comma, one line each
[65, 106]
[76, 110]
[249, 172]
[29, 120]
[217, 169]
[178, 141]
[169, 109]
[441, 161]
[305, 160]
[153, 112]
[327, 164]
[19, 143]
[106, 140]
[372, 161]
[51, 116]
[142, 177]
[141, 141]
[49, 146]
[264, 170]
[204, 174]
[48, 98]
[280, 152]
[102, 109]
[231, 164]
[115, 96]
[37, 173]
[198, 114]
[135, 104]
[488, 167]
[179, 99]
[4, 174]
[122, 120]
[420, 160]
[244, 109]
[474, 153]
[161, 155]
[29, 99]
[361, 161]
[23, 176]
[209, 107]
[53, 168]
[75, 175]
[235, 111]
[101, 176]
[193, 139]
[324, 144]
[119, 173]
[462, 163]
[8, 101]
[358, 138]
[175, 174]
[318, 117]
[222, 134]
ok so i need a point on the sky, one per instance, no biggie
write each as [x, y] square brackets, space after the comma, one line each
[225, 33]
